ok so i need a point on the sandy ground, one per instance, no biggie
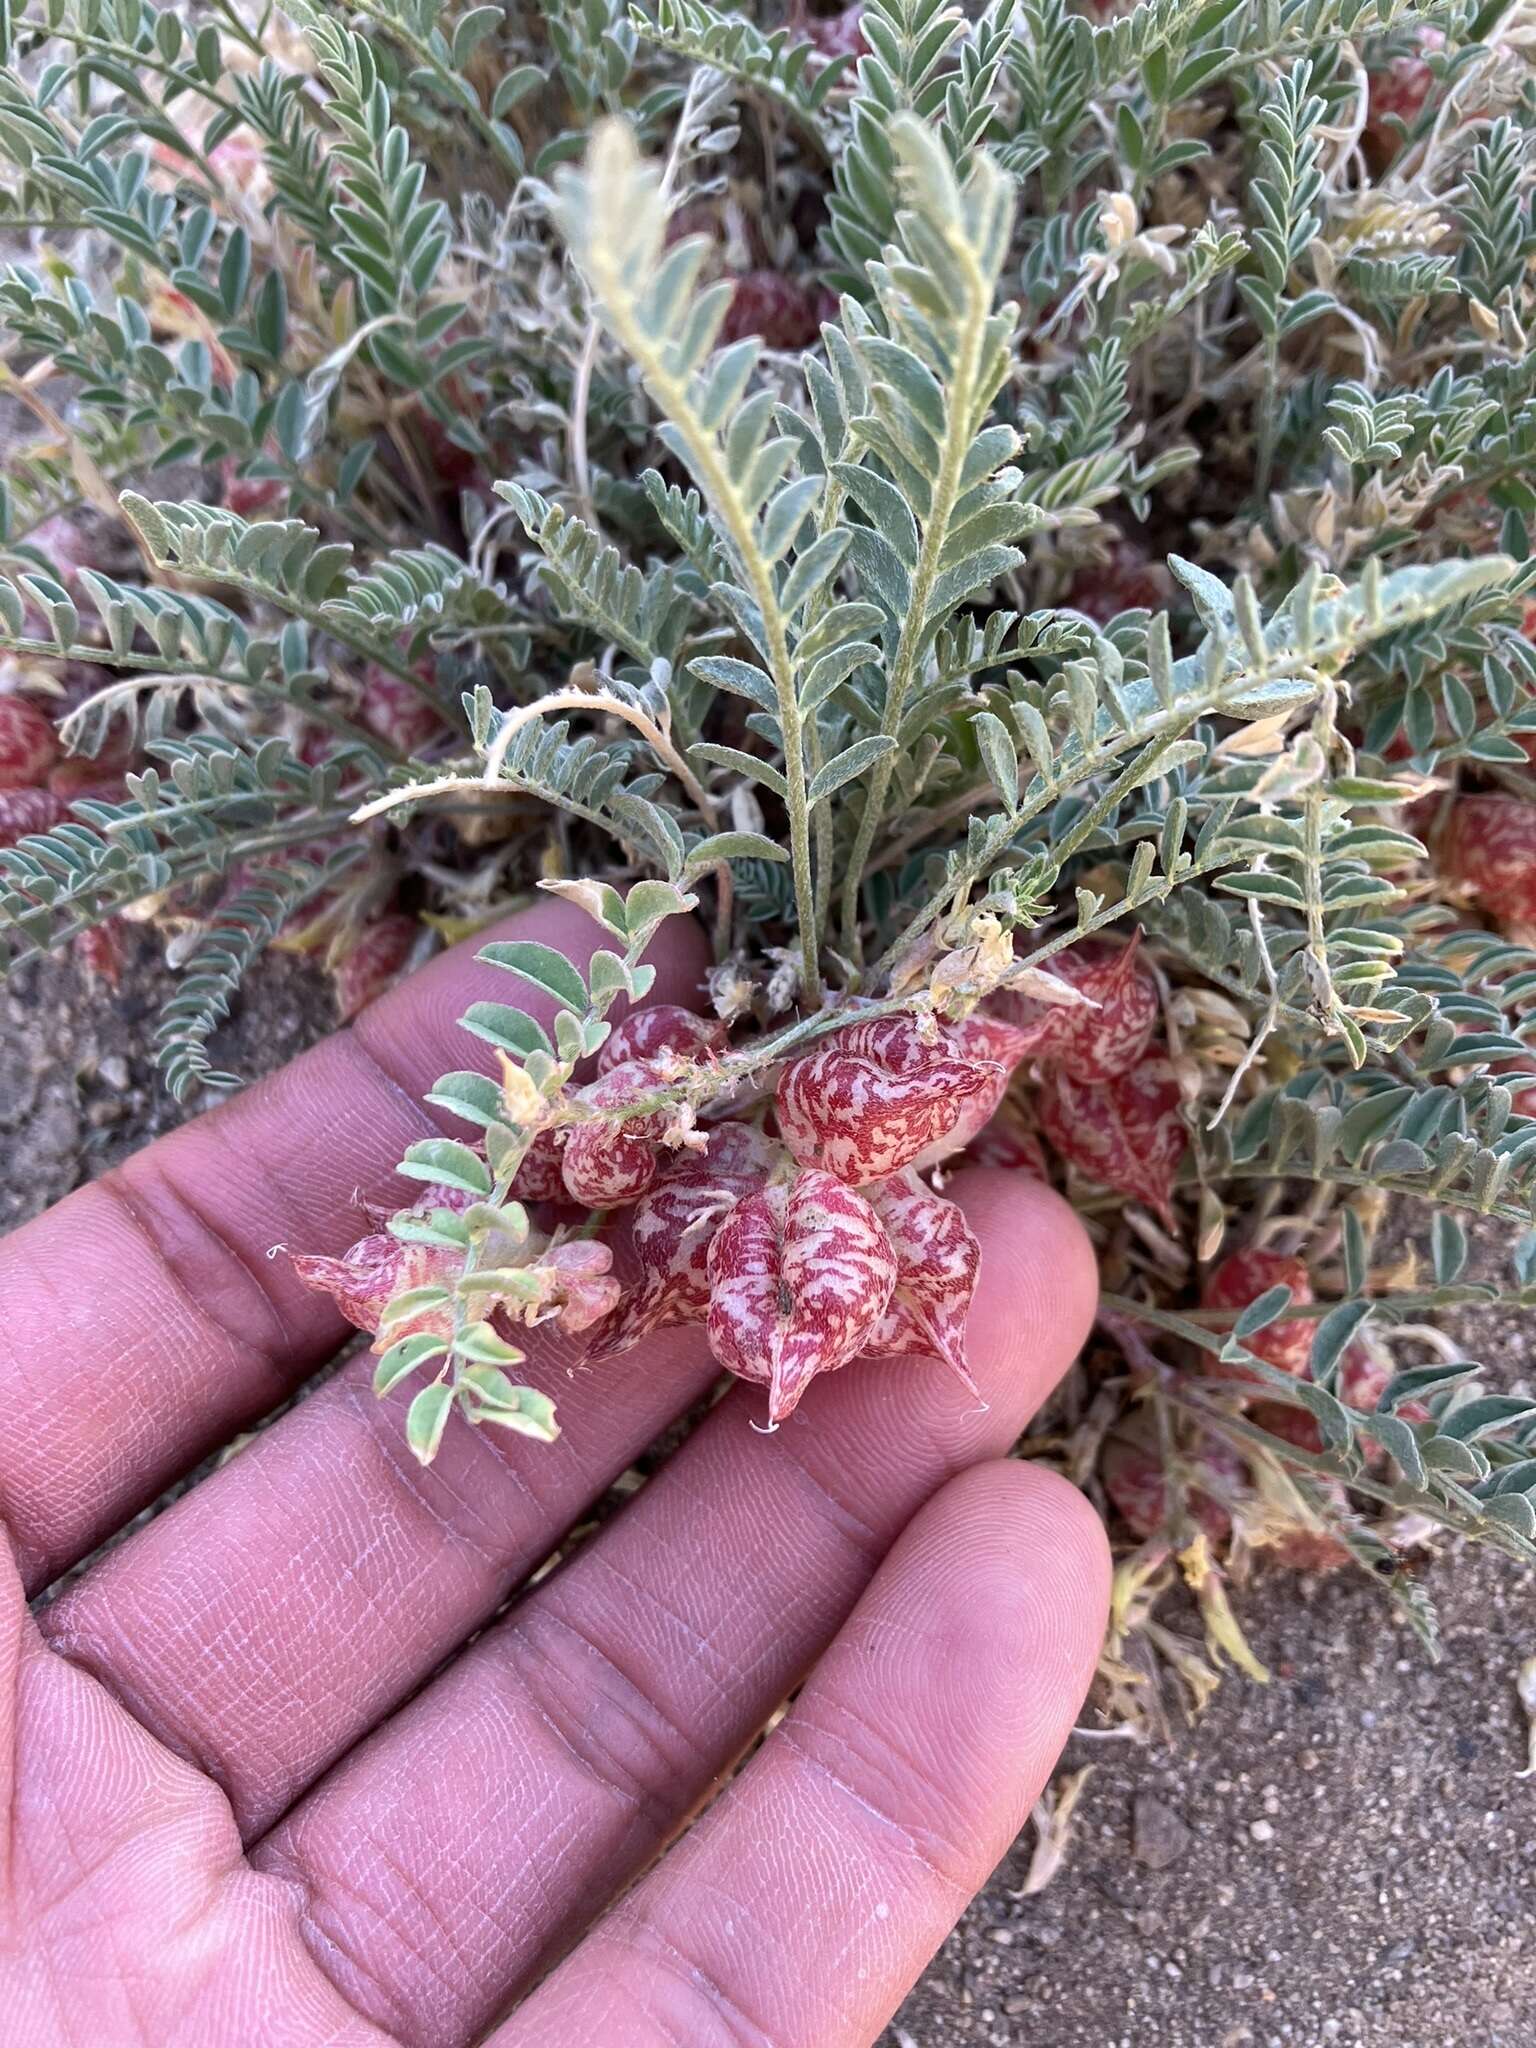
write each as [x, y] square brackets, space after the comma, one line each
[1346, 1856]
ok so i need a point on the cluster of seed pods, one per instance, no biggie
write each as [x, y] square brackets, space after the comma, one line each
[1215, 1475]
[1107, 1097]
[802, 1252]
[797, 1252]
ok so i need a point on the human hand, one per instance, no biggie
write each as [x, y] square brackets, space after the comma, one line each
[279, 1662]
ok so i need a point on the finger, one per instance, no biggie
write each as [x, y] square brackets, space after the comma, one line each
[145, 1320]
[281, 1608]
[447, 1858]
[806, 1902]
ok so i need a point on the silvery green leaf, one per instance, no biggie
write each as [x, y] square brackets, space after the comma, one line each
[850, 762]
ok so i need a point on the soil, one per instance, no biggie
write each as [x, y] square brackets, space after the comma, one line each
[1340, 1859]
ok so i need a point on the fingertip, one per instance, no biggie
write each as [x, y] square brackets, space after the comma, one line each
[1038, 1289]
[1004, 1584]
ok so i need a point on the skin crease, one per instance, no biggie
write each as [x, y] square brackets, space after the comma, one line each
[424, 1851]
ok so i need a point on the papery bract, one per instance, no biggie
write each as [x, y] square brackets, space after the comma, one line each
[29, 743]
[672, 1225]
[800, 1278]
[662, 1029]
[879, 1095]
[1239, 1280]
[938, 1259]
[1127, 1132]
[612, 1160]
[1090, 1044]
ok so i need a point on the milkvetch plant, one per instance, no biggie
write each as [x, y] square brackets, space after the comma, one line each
[1026, 537]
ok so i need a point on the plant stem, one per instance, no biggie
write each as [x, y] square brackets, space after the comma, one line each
[959, 427]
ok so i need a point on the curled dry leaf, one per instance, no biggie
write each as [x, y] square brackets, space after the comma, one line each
[800, 1278]
[1127, 1133]
[882, 1095]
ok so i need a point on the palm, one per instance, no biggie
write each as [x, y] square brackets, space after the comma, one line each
[256, 1665]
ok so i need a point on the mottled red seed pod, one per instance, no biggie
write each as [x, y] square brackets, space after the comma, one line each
[569, 1284]
[1137, 1482]
[1488, 848]
[397, 714]
[662, 1029]
[1128, 580]
[800, 1278]
[25, 811]
[1091, 1044]
[379, 1266]
[249, 496]
[608, 1160]
[1127, 1133]
[834, 35]
[455, 468]
[938, 1259]
[1010, 1142]
[1363, 1377]
[99, 778]
[781, 310]
[1400, 89]
[879, 1096]
[101, 951]
[374, 963]
[541, 1177]
[1291, 1425]
[29, 744]
[1239, 1280]
[672, 1226]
